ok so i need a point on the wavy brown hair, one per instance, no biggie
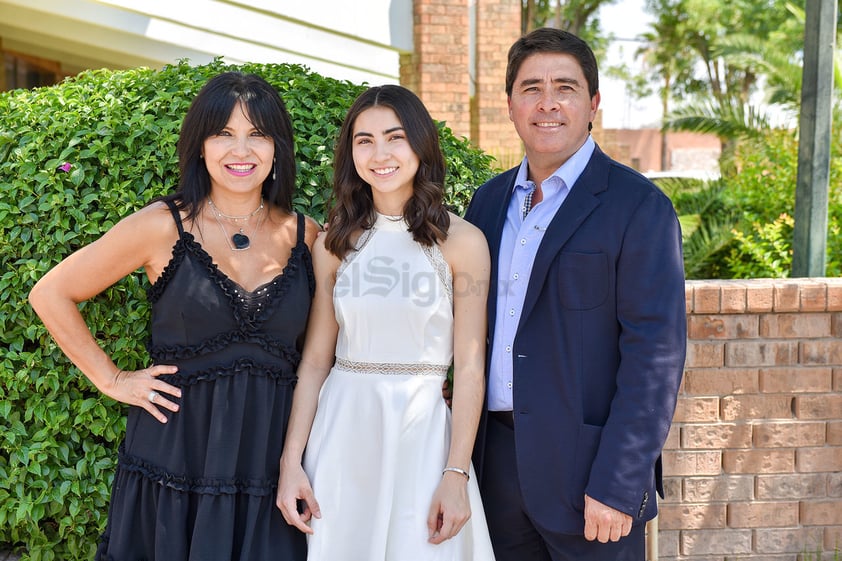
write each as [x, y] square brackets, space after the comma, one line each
[353, 207]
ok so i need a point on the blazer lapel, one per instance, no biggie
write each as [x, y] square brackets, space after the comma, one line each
[579, 204]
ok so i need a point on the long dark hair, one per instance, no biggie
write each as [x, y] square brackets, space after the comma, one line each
[424, 212]
[209, 113]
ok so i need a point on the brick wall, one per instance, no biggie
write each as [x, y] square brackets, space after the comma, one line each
[440, 62]
[439, 69]
[753, 463]
[497, 27]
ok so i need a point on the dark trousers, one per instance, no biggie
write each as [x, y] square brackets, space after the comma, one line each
[514, 535]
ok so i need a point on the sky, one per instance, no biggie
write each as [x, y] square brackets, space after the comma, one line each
[625, 19]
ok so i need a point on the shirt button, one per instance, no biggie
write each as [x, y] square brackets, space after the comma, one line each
[512, 312]
[515, 276]
[508, 348]
[509, 385]
[523, 241]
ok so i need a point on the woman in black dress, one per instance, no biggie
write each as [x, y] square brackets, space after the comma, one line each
[232, 280]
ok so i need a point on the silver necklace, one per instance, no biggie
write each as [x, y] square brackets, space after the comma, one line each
[240, 240]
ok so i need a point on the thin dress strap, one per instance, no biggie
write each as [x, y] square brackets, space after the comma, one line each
[176, 216]
[301, 229]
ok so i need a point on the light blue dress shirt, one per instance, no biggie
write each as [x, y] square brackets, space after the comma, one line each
[518, 247]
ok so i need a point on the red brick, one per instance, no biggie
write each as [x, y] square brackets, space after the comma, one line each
[696, 410]
[796, 380]
[760, 297]
[834, 433]
[668, 544]
[834, 484]
[743, 326]
[721, 382]
[672, 490]
[833, 540]
[763, 514]
[703, 543]
[758, 461]
[825, 406]
[787, 296]
[789, 434]
[691, 516]
[688, 298]
[733, 298]
[704, 355]
[834, 294]
[836, 324]
[776, 326]
[692, 463]
[716, 436]
[792, 486]
[721, 488]
[821, 513]
[753, 407]
[821, 352]
[813, 296]
[812, 460]
[706, 298]
[673, 441]
[786, 540]
[837, 379]
[761, 353]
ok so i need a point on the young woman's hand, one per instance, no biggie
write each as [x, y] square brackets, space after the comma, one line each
[450, 509]
[294, 486]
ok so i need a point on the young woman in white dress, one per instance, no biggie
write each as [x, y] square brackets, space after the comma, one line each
[375, 466]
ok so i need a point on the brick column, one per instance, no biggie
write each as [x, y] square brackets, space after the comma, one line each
[438, 69]
[497, 27]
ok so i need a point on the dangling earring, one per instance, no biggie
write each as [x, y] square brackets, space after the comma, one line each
[274, 167]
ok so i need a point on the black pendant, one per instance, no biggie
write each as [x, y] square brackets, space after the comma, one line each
[241, 241]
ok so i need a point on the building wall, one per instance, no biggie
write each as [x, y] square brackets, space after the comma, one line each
[753, 463]
[431, 46]
[686, 151]
[335, 38]
[466, 92]
[440, 61]
[497, 27]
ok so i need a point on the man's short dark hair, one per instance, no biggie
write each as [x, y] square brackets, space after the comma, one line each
[549, 40]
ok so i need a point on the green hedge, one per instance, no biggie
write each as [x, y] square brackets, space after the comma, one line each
[118, 131]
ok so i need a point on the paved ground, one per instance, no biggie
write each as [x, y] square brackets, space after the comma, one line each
[8, 556]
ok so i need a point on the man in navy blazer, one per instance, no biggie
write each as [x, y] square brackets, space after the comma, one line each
[587, 324]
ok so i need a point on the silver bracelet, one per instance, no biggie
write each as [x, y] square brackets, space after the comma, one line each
[457, 470]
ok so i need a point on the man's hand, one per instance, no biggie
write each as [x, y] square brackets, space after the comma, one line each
[604, 523]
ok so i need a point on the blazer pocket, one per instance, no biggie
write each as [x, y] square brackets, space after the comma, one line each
[582, 280]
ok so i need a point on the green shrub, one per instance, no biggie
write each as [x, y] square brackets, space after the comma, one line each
[118, 131]
[744, 225]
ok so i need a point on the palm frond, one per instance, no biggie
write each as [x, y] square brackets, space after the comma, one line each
[730, 122]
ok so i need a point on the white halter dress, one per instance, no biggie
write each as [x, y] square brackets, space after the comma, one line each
[381, 434]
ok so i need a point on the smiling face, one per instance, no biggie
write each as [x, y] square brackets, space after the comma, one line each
[238, 157]
[551, 108]
[384, 158]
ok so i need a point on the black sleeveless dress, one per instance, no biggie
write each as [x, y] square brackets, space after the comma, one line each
[201, 487]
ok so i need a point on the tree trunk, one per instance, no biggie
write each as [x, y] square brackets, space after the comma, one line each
[665, 109]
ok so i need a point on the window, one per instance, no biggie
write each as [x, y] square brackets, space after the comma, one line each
[22, 71]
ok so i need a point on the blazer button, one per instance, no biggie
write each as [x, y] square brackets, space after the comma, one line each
[643, 504]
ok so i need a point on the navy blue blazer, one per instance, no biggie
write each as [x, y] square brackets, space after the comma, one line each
[599, 351]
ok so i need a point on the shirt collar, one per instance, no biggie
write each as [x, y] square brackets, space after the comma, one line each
[569, 171]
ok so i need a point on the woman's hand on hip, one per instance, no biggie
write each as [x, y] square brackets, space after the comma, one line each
[143, 389]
